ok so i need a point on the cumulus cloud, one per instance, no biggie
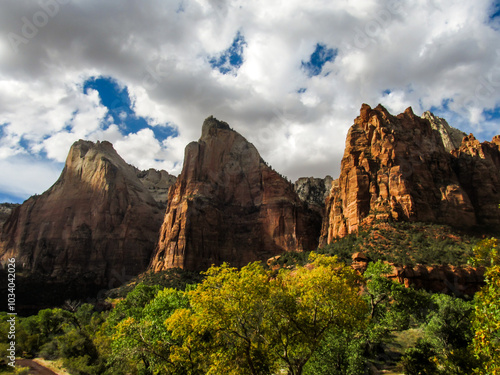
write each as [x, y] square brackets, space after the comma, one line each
[290, 76]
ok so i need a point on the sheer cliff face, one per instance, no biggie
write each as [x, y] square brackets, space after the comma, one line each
[97, 220]
[229, 206]
[398, 168]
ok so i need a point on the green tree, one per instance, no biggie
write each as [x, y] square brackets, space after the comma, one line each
[227, 330]
[393, 307]
[141, 344]
[341, 352]
[311, 301]
[486, 319]
[450, 333]
[247, 322]
[419, 360]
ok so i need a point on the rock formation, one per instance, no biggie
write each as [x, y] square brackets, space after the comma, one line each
[5, 211]
[451, 137]
[314, 191]
[397, 168]
[458, 280]
[477, 166]
[228, 205]
[97, 222]
[158, 184]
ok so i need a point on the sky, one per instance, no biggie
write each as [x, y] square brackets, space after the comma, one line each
[289, 75]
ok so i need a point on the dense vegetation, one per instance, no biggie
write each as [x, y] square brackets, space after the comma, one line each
[319, 318]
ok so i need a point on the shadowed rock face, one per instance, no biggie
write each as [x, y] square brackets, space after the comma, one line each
[5, 211]
[477, 166]
[158, 184]
[98, 220]
[398, 168]
[228, 205]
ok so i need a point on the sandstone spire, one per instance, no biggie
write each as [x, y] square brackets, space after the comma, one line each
[228, 205]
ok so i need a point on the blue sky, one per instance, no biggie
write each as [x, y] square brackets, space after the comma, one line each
[290, 76]
[321, 55]
[119, 106]
[231, 59]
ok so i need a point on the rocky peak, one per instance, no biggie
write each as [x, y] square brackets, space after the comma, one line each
[158, 183]
[228, 205]
[5, 211]
[496, 140]
[211, 125]
[397, 168]
[97, 221]
[451, 137]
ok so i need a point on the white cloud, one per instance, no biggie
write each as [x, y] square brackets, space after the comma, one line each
[425, 52]
[142, 148]
[36, 177]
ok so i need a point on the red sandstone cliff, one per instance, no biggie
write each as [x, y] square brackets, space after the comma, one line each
[98, 220]
[228, 205]
[398, 168]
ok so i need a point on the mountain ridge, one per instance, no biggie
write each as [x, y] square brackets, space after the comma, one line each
[104, 221]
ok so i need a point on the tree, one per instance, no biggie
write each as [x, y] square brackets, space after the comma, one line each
[418, 360]
[247, 322]
[341, 352]
[486, 319]
[227, 330]
[311, 301]
[450, 333]
[141, 344]
[393, 307]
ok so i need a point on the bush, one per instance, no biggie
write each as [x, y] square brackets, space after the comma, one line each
[341, 353]
[22, 371]
[419, 360]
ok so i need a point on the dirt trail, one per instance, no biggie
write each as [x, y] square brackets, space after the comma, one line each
[35, 368]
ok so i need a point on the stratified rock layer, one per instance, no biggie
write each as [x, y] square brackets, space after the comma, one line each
[97, 221]
[397, 168]
[228, 205]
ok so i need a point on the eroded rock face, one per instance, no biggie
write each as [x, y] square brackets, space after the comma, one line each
[97, 221]
[458, 280]
[478, 169]
[397, 168]
[228, 205]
